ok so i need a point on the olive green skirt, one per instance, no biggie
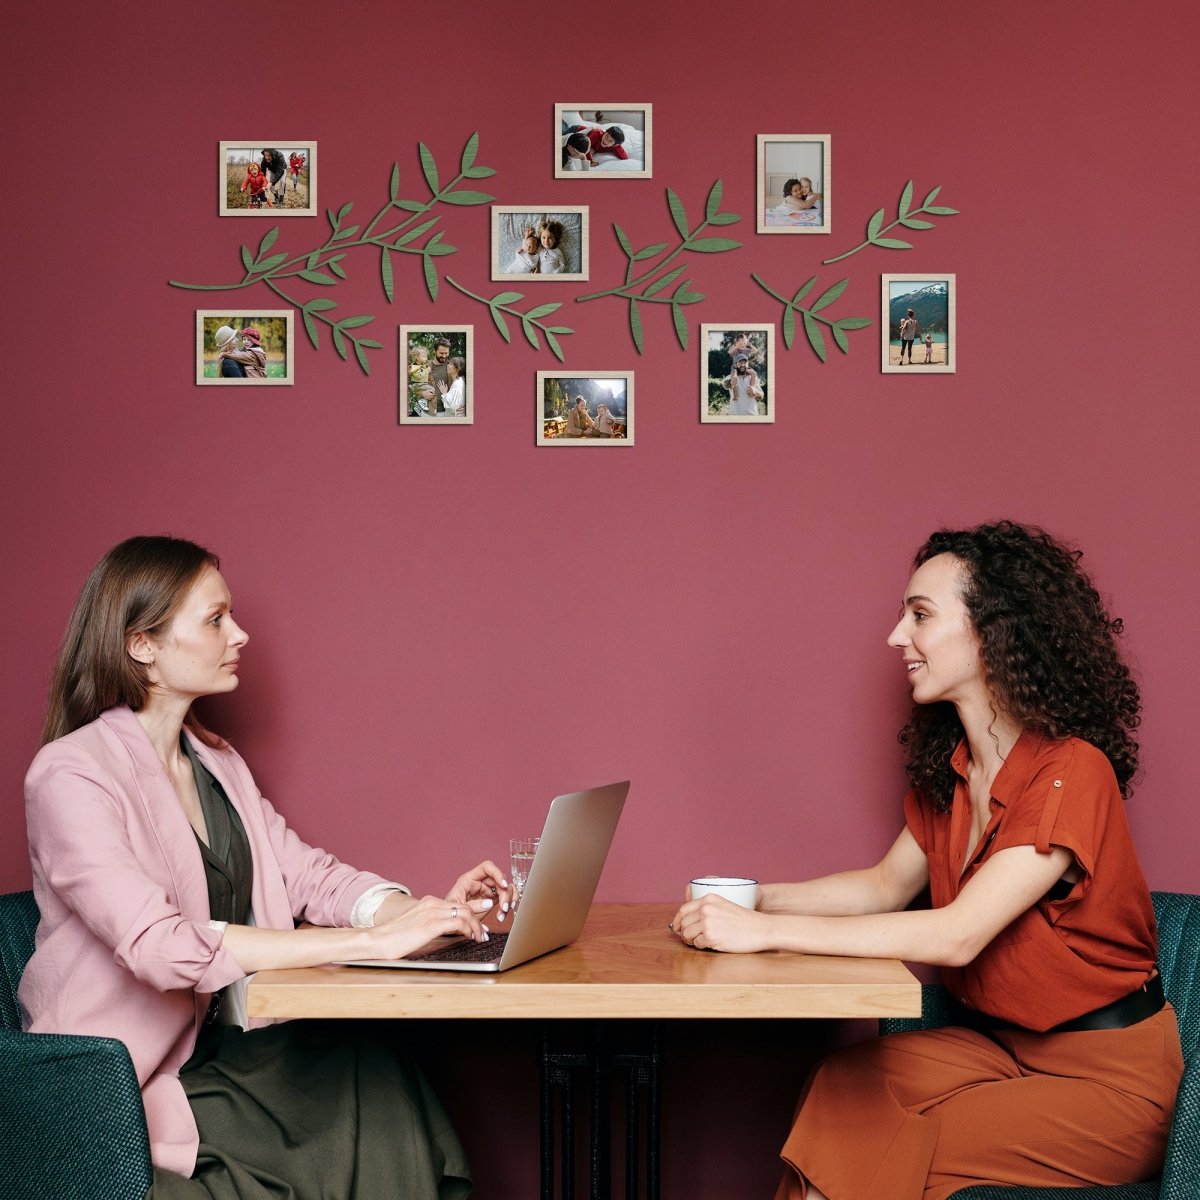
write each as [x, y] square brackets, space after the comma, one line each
[314, 1110]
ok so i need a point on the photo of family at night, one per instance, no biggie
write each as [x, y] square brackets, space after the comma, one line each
[592, 410]
[267, 179]
[735, 370]
[435, 384]
[603, 139]
[918, 323]
[244, 347]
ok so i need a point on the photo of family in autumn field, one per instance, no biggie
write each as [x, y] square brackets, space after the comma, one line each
[245, 347]
[262, 178]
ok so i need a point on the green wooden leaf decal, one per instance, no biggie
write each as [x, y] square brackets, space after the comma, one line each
[268, 241]
[314, 258]
[501, 324]
[789, 327]
[815, 338]
[385, 273]
[893, 244]
[874, 225]
[361, 355]
[940, 211]
[355, 322]
[906, 199]
[623, 240]
[530, 331]
[840, 338]
[714, 201]
[635, 324]
[467, 198]
[555, 348]
[339, 342]
[440, 249]
[559, 329]
[681, 327]
[665, 281]
[649, 251]
[690, 297]
[410, 205]
[828, 297]
[713, 245]
[344, 211]
[916, 223]
[804, 291]
[479, 172]
[394, 185]
[724, 219]
[678, 213]
[542, 310]
[320, 304]
[468, 154]
[431, 278]
[507, 297]
[269, 264]
[247, 258]
[337, 268]
[310, 327]
[349, 231]
[370, 344]
[332, 216]
[855, 322]
[316, 277]
[410, 235]
[429, 167]
[932, 196]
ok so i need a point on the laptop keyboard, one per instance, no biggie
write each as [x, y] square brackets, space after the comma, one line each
[483, 952]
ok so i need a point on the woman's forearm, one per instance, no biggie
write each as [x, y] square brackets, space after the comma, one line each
[847, 893]
[926, 935]
[269, 949]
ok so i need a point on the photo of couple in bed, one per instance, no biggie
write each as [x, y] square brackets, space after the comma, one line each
[793, 183]
[609, 139]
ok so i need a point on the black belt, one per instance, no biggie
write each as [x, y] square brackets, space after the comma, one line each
[1144, 1002]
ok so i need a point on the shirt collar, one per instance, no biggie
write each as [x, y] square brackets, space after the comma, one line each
[1014, 775]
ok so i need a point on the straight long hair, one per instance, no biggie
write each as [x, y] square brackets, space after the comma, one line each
[137, 587]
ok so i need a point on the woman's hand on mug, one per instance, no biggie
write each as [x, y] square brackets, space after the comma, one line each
[714, 923]
[482, 882]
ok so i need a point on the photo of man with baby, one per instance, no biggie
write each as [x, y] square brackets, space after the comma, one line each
[267, 179]
[611, 140]
[793, 183]
[245, 347]
[435, 375]
[735, 373]
[539, 243]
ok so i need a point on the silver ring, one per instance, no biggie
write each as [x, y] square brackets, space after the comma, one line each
[454, 911]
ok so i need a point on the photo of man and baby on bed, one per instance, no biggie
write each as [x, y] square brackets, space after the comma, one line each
[793, 183]
[612, 140]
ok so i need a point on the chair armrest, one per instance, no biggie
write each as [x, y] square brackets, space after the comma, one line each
[1182, 1166]
[73, 1121]
[938, 1009]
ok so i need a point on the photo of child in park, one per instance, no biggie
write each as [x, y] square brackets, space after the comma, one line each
[590, 409]
[245, 347]
[793, 183]
[256, 178]
[603, 139]
[536, 243]
[735, 373]
[918, 324]
[436, 375]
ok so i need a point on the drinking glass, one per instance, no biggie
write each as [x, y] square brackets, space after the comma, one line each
[521, 852]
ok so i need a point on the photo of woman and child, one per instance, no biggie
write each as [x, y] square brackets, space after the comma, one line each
[244, 347]
[793, 184]
[437, 387]
[541, 243]
[612, 140]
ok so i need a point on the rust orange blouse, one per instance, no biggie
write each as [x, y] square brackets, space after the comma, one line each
[1060, 958]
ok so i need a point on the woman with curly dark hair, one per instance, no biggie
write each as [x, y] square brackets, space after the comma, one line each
[1020, 752]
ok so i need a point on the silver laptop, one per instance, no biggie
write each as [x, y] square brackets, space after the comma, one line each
[574, 843]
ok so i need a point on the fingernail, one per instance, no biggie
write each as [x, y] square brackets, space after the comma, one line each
[486, 936]
[504, 906]
[487, 904]
[503, 913]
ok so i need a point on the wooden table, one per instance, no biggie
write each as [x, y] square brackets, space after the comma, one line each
[625, 965]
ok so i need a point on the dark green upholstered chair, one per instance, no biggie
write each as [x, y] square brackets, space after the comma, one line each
[1179, 961]
[72, 1126]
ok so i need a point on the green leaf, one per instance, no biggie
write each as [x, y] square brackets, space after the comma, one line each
[855, 322]
[268, 241]
[804, 291]
[468, 154]
[940, 211]
[828, 297]
[361, 354]
[681, 328]
[429, 167]
[320, 304]
[558, 329]
[666, 280]
[344, 211]
[815, 338]
[316, 277]
[530, 332]
[385, 273]
[840, 338]
[440, 249]
[337, 268]
[678, 213]
[507, 297]
[649, 251]
[479, 172]
[269, 264]
[310, 327]
[247, 258]
[915, 223]
[313, 258]
[874, 225]
[333, 221]
[339, 342]
[932, 196]
[724, 219]
[501, 324]
[542, 310]
[415, 232]
[467, 198]
[624, 241]
[431, 277]
[789, 326]
[635, 324]
[409, 205]
[713, 245]
[349, 231]
[906, 199]
[714, 201]
[893, 244]
[555, 348]
[370, 344]
[394, 186]
[355, 322]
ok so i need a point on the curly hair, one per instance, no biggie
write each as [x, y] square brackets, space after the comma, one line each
[1047, 646]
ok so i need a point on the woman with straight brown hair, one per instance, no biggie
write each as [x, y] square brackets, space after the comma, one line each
[164, 878]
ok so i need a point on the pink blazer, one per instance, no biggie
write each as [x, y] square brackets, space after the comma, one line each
[124, 949]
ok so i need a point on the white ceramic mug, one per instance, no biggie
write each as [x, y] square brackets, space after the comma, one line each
[740, 891]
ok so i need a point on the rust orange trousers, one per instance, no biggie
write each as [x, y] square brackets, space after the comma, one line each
[916, 1116]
